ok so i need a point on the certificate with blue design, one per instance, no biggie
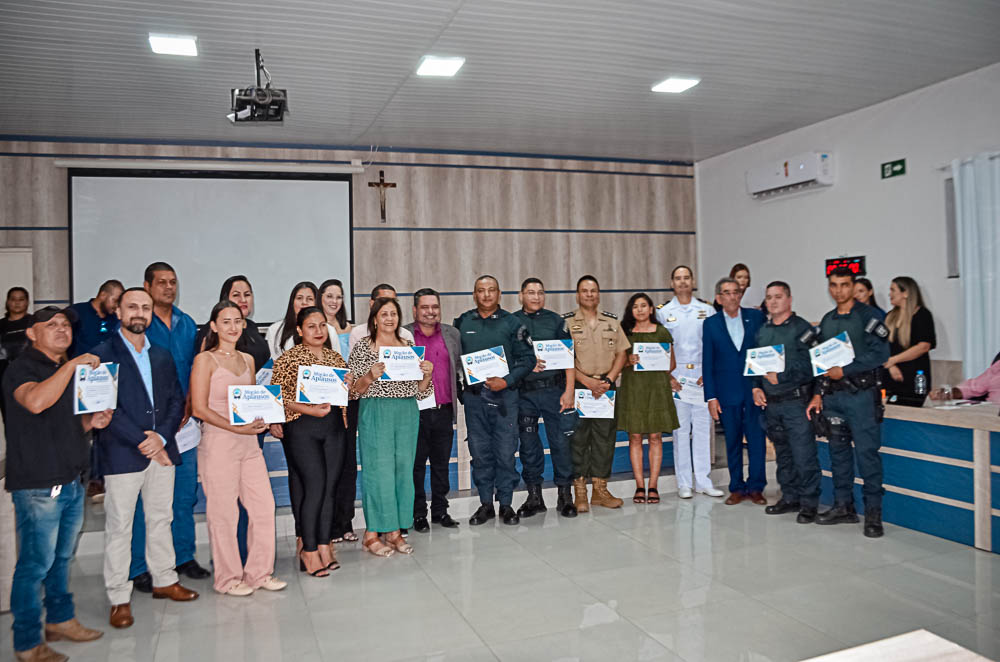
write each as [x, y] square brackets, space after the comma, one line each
[344, 347]
[95, 389]
[480, 366]
[251, 401]
[653, 356]
[762, 360]
[557, 354]
[402, 364]
[690, 392]
[834, 353]
[587, 406]
[265, 372]
[320, 384]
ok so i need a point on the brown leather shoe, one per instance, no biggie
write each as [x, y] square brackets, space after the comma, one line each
[758, 498]
[40, 653]
[121, 616]
[734, 498]
[70, 630]
[175, 592]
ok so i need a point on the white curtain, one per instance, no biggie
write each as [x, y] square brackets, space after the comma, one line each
[977, 212]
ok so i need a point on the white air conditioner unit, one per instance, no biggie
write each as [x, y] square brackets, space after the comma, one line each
[797, 173]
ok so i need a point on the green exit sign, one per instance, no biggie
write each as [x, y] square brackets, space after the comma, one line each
[893, 169]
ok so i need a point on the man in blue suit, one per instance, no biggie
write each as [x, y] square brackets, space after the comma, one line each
[139, 454]
[725, 341]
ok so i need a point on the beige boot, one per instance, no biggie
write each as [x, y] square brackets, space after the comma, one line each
[71, 630]
[40, 653]
[602, 497]
[580, 495]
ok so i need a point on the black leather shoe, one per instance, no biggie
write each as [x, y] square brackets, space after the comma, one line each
[483, 515]
[807, 515]
[420, 525]
[143, 583]
[405, 533]
[782, 507]
[446, 521]
[192, 570]
[534, 503]
[839, 514]
[873, 523]
[509, 516]
[565, 503]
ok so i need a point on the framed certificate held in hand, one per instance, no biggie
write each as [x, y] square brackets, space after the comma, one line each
[251, 401]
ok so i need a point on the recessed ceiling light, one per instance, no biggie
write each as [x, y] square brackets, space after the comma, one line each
[432, 65]
[676, 85]
[173, 44]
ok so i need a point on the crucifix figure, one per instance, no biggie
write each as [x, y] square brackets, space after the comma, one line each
[382, 185]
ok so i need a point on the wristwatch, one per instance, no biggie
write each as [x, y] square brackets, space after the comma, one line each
[607, 381]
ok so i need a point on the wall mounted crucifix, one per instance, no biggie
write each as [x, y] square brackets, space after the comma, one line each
[382, 185]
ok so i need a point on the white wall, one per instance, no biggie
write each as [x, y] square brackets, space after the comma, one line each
[898, 223]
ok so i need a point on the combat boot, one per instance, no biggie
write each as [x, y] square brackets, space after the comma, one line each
[534, 503]
[565, 503]
[580, 495]
[602, 497]
[873, 522]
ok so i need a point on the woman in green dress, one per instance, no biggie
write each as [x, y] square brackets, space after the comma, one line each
[644, 403]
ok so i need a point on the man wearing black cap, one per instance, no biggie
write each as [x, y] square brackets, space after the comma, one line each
[47, 453]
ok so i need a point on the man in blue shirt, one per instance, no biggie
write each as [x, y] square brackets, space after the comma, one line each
[174, 331]
[96, 319]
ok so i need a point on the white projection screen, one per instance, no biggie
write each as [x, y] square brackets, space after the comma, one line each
[275, 228]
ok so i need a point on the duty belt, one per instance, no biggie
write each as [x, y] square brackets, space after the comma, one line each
[797, 393]
[855, 383]
[539, 384]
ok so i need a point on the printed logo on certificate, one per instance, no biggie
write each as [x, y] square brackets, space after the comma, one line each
[557, 354]
[248, 402]
[95, 389]
[762, 360]
[320, 384]
[834, 353]
[690, 392]
[653, 356]
[480, 366]
[587, 406]
[402, 364]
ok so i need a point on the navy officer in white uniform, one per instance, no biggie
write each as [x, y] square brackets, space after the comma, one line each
[683, 316]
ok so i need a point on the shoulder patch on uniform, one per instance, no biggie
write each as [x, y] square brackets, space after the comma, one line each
[876, 328]
[607, 314]
[566, 316]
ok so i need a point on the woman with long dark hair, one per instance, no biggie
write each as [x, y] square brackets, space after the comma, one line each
[313, 441]
[387, 432]
[911, 338]
[281, 335]
[238, 290]
[644, 404]
[865, 293]
[13, 326]
[230, 463]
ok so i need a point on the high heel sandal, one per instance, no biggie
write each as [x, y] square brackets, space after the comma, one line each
[640, 495]
[378, 548]
[319, 572]
[400, 545]
[654, 495]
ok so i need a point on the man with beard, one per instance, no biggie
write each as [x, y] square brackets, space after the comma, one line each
[138, 452]
[96, 319]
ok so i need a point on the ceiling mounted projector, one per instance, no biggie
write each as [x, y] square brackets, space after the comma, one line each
[258, 103]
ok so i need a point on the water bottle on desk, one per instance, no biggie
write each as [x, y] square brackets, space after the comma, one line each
[920, 383]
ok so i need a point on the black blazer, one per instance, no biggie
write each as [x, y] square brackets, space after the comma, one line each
[118, 444]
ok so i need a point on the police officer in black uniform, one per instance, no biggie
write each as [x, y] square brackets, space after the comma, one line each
[785, 396]
[851, 404]
[549, 394]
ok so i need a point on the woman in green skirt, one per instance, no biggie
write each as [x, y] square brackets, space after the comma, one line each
[387, 432]
[644, 404]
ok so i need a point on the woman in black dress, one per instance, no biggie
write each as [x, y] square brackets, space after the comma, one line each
[12, 331]
[911, 338]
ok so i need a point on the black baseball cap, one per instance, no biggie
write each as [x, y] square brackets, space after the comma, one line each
[48, 312]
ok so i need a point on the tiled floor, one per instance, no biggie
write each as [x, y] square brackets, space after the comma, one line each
[685, 580]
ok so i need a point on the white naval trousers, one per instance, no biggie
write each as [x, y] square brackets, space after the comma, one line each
[692, 446]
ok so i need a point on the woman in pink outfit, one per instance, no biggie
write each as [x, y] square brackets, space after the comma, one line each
[230, 463]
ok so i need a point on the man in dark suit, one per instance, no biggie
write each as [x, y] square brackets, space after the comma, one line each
[726, 338]
[443, 348]
[138, 453]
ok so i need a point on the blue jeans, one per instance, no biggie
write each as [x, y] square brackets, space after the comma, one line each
[182, 527]
[492, 428]
[47, 530]
[559, 428]
[739, 420]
